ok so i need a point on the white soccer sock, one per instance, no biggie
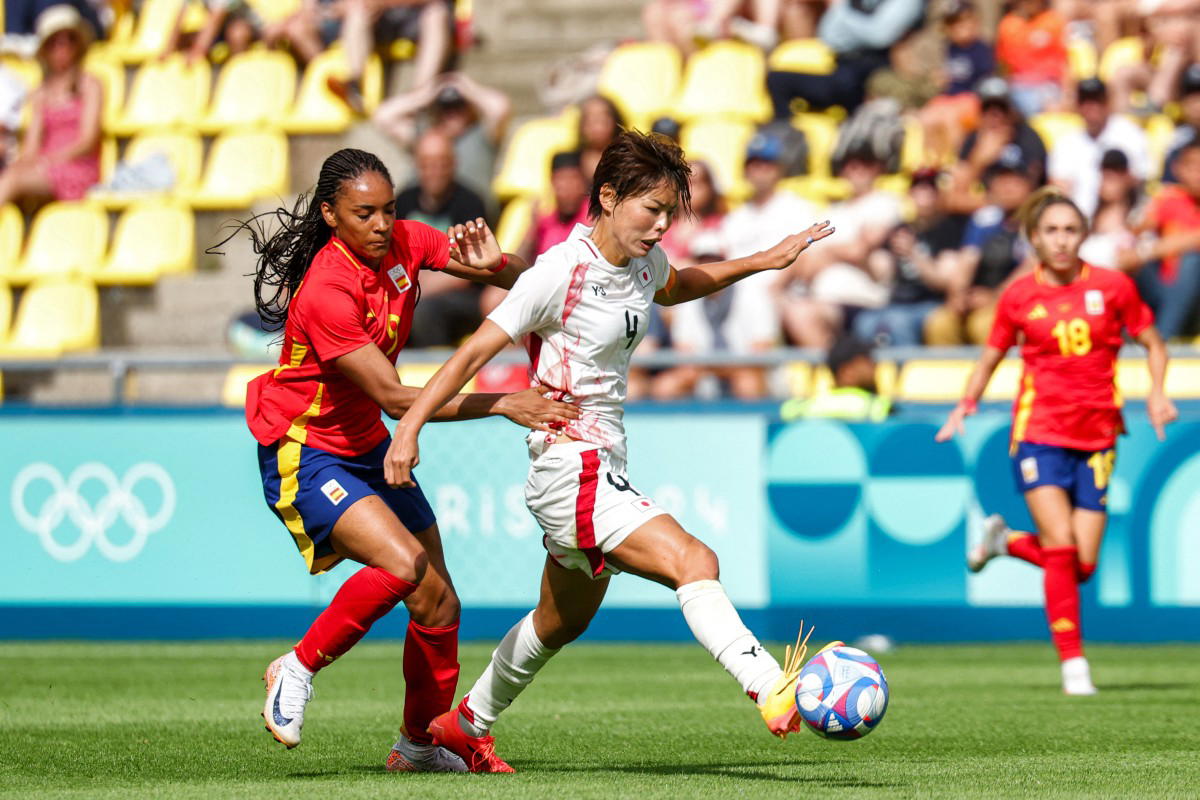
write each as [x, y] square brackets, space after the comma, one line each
[515, 661]
[716, 625]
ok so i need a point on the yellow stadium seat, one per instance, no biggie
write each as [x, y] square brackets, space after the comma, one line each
[318, 110]
[243, 167]
[526, 166]
[1082, 58]
[165, 94]
[932, 381]
[27, 69]
[809, 56]
[820, 132]
[151, 240]
[108, 158]
[56, 315]
[183, 151]
[275, 10]
[798, 377]
[886, 377]
[897, 184]
[726, 78]
[1127, 52]
[111, 74]
[5, 309]
[233, 391]
[1183, 378]
[1160, 132]
[912, 149]
[820, 190]
[417, 375]
[721, 143]
[155, 21]
[1005, 382]
[1053, 125]
[64, 238]
[515, 223]
[642, 79]
[12, 232]
[254, 88]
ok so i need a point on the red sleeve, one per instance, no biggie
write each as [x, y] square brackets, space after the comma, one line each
[1134, 314]
[430, 246]
[331, 317]
[1004, 326]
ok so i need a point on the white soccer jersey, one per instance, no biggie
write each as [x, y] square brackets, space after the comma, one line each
[583, 318]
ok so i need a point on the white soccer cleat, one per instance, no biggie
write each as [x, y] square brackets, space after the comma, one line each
[994, 543]
[289, 688]
[1077, 677]
[409, 756]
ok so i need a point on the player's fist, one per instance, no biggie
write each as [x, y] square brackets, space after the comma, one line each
[1162, 412]
[401, 459]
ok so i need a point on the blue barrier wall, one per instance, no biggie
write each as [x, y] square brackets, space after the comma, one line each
[153, 526]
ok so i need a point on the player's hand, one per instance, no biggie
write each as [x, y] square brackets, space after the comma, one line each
[401, 459]
[472, 244]
[533, 409]
[954, 423]
[1162, 413]
[783, 254]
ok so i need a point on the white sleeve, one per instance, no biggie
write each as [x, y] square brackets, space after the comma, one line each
[661, 266]
[536, 299]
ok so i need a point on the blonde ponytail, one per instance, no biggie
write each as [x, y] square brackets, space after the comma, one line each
[1030, 212]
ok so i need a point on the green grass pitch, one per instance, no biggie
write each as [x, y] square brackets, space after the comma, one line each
[601, 721]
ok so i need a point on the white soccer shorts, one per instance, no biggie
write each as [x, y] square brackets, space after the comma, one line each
[584, 504]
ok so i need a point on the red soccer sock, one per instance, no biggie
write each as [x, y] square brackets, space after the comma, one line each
[1084, 572]
[365, 597]
[430, 677]
[1026, 547]
[1062, 601]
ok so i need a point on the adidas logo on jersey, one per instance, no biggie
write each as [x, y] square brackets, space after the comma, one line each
[1039, 312]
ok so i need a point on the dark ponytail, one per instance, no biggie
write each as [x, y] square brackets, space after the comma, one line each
[285, 255]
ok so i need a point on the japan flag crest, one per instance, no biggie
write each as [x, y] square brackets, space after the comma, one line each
[644, 277]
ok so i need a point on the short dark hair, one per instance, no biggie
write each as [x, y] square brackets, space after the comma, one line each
[568, 159]
[637, 162]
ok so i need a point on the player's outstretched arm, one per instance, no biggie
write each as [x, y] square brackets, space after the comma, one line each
[475, 255]
[1159, 407]
[970, 401]
[705, 279]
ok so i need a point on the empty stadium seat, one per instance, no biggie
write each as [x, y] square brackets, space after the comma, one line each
[1126, 52]
[1052, 125]
[642, 79]
[1160, 133]
[254, 88]
[726, 78]
[184, 151]
[111, 74]
[318, 110]
[6, 304]
[514, 223]
[1082, 58]
[932, 381]
[798, 378]
[1005, 382]
[820, 132]
[275, 10]
[155, 21]
[233, 391]
[64, 238]
[151, 240]
[243, 167]
[56, 315]
[1183, 378]
[809, 56]
[12, 232]
[165, 94]
[721, 143]
[526, 166]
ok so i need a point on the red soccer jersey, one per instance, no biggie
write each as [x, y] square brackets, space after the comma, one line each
[1071, 335]
[341, 306]
[1173, 211]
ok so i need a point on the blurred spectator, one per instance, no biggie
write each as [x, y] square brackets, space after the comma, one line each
[837, 276]
[1166, 30]
[854, 396]
[686, 23]
[861, 35]
[1189, 109]
[599, 124]
[474, 116]
[992, 250]
[1002, 132]
[731, 321]
[968, 60]
[1119, 200]
[906, 77]
[1075, 160]
[668, 127]
[12, 98]
[798, 19]
[248, 339]
[20, 16]
[1167, 259]
[918, 260]
[449, 308]
[60, 154]
[708, 214]
[570, 207]
[1031, 47]
[233, 22]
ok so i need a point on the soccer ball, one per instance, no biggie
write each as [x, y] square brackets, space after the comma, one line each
[842, 693]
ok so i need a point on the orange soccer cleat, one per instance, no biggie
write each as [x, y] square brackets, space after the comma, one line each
[479, 752]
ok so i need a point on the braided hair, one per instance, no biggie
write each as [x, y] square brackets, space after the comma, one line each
[285, 255]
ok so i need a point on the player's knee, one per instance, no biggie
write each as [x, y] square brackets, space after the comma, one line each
[699, 564]
[568, 630]
[436, 609]
[406, 563]
[1056, 536]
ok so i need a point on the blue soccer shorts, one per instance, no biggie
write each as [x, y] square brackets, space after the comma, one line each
[309, 489]
[1083, 474]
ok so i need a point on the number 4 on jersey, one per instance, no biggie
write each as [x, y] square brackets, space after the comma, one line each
[631, 328]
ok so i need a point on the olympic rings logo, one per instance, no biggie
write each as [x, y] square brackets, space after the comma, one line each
[66, 502]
